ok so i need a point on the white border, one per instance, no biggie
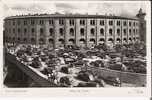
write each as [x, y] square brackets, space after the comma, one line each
[43, 92]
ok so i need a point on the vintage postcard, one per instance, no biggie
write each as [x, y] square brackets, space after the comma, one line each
[75, 48]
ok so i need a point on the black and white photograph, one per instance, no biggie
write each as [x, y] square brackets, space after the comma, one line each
[75, 44]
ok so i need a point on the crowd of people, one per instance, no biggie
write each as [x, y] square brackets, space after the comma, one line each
[70, 67]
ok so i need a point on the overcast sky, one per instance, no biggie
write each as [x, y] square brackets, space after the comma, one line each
[26, 6]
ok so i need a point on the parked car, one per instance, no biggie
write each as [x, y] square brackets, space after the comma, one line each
[84, 76]
[65, 82]
[64, 70]
[115, 81]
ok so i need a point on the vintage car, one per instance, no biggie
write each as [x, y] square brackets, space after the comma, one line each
[115, 81]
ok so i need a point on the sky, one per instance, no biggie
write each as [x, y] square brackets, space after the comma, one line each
[129, 9]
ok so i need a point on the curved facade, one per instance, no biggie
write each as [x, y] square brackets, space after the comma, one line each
[58, 30]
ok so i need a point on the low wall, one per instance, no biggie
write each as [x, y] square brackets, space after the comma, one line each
[31, 73]
[126, 77]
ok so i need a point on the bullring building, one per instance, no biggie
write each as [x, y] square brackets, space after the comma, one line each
[59, 30]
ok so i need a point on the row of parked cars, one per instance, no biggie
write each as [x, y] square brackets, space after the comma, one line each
[65, 59]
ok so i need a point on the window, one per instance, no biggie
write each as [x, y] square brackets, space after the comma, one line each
[25, 22]
[129, 23]
[9, 30]
[92, 31]
[118, 23]
[41, 22]
[61, 41]
[18, 39]
[32, 30]
[118, 32]
[110, 40]
[61, 31]
[14, 30]
[41, 31]
[102, 22]
[102, 31]
[41, 41]
[110, 22]
[82, 40]
[102, 39]
[13, 22]
[51, 31]
[19, 30]
[51, 22]
[110, 32]
[71, 22]
[129, 31]
[125, 40]
[18, 22]
[51, 41]
[71, 31]
[25, 30]
[92, 22]
[72, 41]
[92, 40]
[125, 23]
[134, 24]
[32, 22]
[61, 22]
[134, 30]
[82, 22]
[125, 32]
[82, 31]
[32, 40]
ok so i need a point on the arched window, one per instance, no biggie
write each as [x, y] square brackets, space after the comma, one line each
[130, 39]
[118, 32]
[51, 31]
[82, 31]
[92, 40]
[51, 41]
[102, 31]
[118, 40]
[134, 31]
[41, 41]
[61, 31]
[129, 31]
[102, 39]
[32, 40]
[61, 41]
[18, 39]
[19, 30]
[82, 40]
[125, 32]
[25, 31]
[110, 32]
[110, 39]
[32, 30]
[72, 41]
[125, 40]
[41, 31]
[92, 31]
[71, 31]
